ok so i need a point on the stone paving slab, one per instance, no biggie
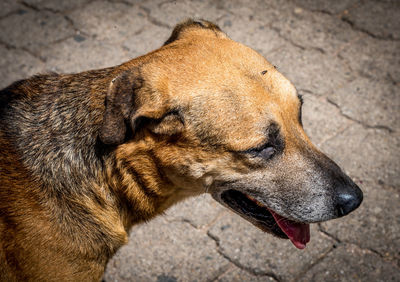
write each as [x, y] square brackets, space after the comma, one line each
[17, 65]
[376, 145]
[39, 29]
[371, 224]
[8, 7]
[78, 53]
[375, 58]
[122, 21]
[156, 255]
[331, 7]
[263, 254]
[315, 30]
[381, 21]
[317, 112]
[372, 102]
[343, 56]
[167, 13]
[321, 79]
[150, 38]
[200, 212]
[57, 6]
[266, 11]
[237, 274]
[259, 35]
[339, 266]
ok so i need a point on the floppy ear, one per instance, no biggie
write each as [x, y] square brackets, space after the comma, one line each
[126, 110]
[119, 105]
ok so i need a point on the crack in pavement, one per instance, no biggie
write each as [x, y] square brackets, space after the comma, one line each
[341, 16]
[223, 271]
[239, 265]
[120, 2]
[216, 218]
[73, 26]
[290, 41]
[338, 242]
[386, 77]
[27, 5]
[355, 27]
[365, 125]
[346, 45]
[70, 24]
[388, 258]
[63, 14]
[336, 133]
[36, 8]
[11, 13]
[316, 262]
[153, 20]
[327, 234]
[12, 47]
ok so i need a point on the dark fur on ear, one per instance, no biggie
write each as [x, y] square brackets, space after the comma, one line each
[190, 23]
[119, 105]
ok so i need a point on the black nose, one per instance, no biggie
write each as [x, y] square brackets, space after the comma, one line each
[348, 199]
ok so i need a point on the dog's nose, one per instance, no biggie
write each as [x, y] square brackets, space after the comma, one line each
[348, 199]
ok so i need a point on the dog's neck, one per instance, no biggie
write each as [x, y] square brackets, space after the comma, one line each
[77, 172]
[83, 193]
[139, 184]
[57, 138]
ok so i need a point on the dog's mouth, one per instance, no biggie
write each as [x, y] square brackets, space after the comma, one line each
[266, 219]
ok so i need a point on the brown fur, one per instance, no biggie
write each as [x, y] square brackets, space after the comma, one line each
[86, 156]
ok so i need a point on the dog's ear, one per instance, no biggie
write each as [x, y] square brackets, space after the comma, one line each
[119, 104]
[131, 105]
[192, 27]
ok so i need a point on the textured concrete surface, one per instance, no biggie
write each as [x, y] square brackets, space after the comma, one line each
[343, 56]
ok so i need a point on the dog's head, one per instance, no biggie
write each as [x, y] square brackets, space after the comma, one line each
[217, 117]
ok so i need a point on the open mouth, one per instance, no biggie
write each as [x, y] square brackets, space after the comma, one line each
[266, 219]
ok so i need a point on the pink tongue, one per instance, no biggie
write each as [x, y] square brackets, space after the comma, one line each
[298, 233]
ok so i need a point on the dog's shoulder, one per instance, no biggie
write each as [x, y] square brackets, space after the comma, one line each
[51, 121]
[22, 91]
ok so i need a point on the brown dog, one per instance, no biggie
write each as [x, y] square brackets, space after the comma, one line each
[85, 156]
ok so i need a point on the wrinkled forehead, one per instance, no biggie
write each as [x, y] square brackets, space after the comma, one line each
[229, 90]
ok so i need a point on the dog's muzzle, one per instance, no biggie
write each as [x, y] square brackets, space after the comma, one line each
[267, 219]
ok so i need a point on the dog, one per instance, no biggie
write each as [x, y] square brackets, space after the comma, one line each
[86, 156]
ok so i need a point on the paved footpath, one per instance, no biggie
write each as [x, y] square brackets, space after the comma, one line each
[344, 58]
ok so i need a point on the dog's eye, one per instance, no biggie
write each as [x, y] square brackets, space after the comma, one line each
[272, 146]
[266, 152]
